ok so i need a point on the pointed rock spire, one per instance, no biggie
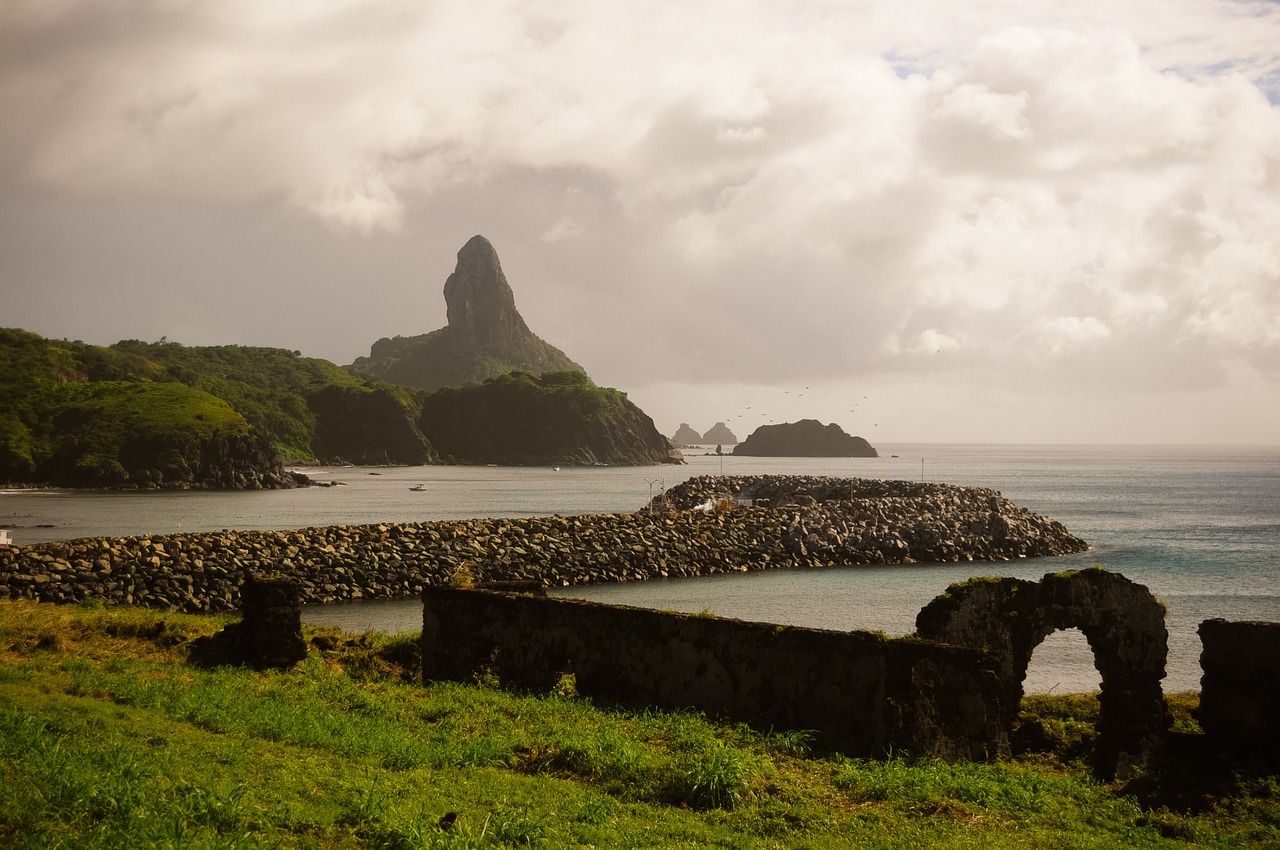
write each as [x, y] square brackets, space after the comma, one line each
[480, 304]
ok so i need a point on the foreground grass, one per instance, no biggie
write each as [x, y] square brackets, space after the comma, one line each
[109, 739]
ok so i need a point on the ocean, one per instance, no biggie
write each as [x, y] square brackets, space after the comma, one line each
[1200, 527]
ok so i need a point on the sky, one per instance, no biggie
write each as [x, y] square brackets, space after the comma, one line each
[999, 221]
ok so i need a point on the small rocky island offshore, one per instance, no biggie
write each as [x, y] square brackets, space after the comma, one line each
[806, 438]
[704, 526]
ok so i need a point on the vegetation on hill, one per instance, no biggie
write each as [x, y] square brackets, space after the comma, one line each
[558, 417]
[166, 414]
[271, 387]
[108, 738]
[162, 413]
[432, 361]
[81, 415]
[107, 432]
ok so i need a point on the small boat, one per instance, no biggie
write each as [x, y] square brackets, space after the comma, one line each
[555, 469]
[418, 488]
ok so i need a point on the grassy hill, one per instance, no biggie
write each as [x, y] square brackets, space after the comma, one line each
[84, 415]
[166, 414]
[431, 361]
[108, 738]
[523, 418]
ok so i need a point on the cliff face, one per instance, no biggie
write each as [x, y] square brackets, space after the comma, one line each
[557, 418]
[806, 438]
[480, 305]
[486, 335]
[363, 427]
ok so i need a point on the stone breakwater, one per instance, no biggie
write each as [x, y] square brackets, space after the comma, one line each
[808, 522]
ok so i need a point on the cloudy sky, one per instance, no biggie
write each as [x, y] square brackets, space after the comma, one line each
[993, 221]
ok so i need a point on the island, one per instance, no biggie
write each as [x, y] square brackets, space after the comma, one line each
[806, 438]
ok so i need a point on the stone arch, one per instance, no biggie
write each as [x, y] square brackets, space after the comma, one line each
[1122, 622]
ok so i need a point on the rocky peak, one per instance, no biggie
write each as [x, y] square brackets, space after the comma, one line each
[480, 304]
[486, 336]
[686, 436]
[720, 433]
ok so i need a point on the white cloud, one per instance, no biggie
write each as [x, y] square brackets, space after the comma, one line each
[564, 228]
[793, 190]
[1066, 333]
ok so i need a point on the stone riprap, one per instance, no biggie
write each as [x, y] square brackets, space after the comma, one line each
[810, 522]
[871, 521]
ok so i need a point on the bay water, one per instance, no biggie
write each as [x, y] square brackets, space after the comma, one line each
[1200, 527]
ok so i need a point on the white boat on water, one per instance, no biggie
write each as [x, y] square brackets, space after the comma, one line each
[418, 488]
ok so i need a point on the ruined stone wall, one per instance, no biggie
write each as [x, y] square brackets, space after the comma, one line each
[1240, 689]
[268, 637]
[1122, 621]
[862, 694]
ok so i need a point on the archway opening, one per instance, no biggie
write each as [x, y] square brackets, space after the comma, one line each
[1063, 663]
[1059, 713]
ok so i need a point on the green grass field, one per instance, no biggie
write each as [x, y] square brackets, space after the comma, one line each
[108, 738]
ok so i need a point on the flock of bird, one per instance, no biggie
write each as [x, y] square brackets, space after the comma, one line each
[766, 419]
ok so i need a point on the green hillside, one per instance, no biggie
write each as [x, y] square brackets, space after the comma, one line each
[82, 415]
[270, 387]
[432, 361]
[560, 417]
[165, 414]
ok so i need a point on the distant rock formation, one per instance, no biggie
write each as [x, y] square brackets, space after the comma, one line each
[686, 436]
[486, 335]
[720, 435]
[806, 438]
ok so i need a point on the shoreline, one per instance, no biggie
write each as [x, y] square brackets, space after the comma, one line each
[887, 523]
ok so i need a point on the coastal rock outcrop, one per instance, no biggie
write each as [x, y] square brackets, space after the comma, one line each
[520, 419]
[367, 427]
[686, 436]
[887, 523]
[486, 336]
[719, 434]
[806, 438]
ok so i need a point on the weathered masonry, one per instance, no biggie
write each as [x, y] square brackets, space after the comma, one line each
[862, 694]
[1240, 689]
[1122, 621]
[952, 691]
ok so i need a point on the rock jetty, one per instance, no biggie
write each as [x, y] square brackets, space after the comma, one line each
[791, 521]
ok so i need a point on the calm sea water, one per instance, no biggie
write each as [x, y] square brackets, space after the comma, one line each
[1200, 527]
